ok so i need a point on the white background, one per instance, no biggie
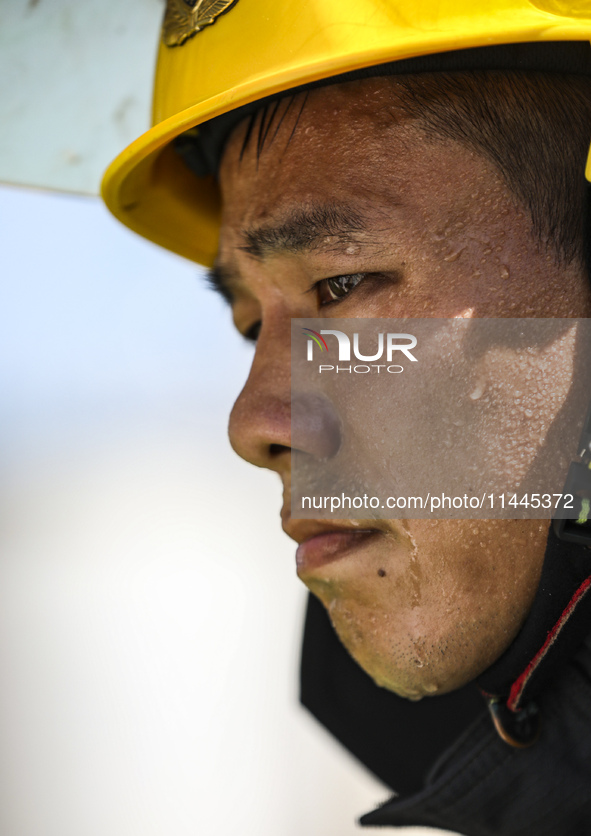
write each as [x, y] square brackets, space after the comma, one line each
[150, 615]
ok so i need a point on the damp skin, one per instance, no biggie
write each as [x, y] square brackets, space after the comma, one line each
[484, 410]
[435, 231]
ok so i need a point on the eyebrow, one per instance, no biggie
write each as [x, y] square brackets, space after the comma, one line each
[303, 230]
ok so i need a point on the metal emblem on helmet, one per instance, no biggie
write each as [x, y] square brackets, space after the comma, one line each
[184, 18]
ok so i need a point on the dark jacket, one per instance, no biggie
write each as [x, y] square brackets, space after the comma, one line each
[443, 756]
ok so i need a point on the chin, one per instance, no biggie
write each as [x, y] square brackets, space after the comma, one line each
[403, 672]
[406, 678]
[405, 653]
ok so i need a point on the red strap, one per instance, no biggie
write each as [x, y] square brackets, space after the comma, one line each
[522, 680]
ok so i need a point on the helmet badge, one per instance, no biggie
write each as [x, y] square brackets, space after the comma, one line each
[184, 18]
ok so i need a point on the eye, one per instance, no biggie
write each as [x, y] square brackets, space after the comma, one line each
[337, 287]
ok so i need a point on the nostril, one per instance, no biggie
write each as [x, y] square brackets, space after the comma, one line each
[277, 449]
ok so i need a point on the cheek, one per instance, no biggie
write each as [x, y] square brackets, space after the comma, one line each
[487, 570]
[433, 618]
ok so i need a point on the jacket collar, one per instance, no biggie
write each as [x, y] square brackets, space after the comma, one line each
[482, 787]
[399, 741]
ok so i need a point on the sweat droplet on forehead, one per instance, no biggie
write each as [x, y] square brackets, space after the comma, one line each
[453, 256]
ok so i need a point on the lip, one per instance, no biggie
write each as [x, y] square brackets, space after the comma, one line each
[330, 545]
[323, 541]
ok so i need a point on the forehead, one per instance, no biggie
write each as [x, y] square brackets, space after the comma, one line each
[326, 140]
[352, 145]
[299, 121]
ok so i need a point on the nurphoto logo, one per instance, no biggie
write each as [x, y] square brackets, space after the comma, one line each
[392, 343]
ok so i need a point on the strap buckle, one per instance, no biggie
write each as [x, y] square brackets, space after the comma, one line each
[519, 729]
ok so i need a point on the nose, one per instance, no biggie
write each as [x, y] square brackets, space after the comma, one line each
[266, 422]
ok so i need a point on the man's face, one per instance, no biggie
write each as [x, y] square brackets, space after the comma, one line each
[342, 207]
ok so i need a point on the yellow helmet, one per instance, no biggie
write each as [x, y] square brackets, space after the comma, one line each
[219, 55]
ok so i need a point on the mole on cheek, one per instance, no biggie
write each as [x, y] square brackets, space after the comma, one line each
[381, 573]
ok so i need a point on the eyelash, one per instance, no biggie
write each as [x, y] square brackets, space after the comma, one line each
[322, 288]
[329, 294]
